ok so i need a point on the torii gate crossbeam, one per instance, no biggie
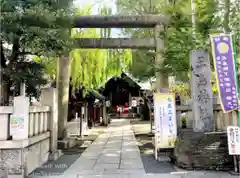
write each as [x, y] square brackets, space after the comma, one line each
[144, 21]
[147, 21]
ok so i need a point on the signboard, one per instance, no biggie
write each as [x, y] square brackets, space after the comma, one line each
[19, 121]
[16, 124]
[108, 104]
[233, 133]
[201, 91]
[222, 50]
[165, 120]
[134, 103]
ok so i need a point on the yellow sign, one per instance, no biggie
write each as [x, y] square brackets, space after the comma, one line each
[165, 120]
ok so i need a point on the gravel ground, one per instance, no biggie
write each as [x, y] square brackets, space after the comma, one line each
[141, 130]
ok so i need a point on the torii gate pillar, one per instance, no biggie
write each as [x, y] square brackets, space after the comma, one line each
[161, 78]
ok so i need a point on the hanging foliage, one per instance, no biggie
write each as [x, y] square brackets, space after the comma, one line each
[91, 68]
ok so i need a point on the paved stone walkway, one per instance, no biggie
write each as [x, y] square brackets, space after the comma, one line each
[115, 154]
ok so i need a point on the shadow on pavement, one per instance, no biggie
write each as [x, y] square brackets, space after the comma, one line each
[147, 156]
[70, 155]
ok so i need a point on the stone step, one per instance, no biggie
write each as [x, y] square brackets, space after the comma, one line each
[66, 143]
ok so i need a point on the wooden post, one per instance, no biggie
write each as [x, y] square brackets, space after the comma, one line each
[161, 79]
[130, 100]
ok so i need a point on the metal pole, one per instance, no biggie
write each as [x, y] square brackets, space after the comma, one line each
[151, 120]
[236, 162]
[81, 119]
[82, 107]
[236, 73]
[150, 115]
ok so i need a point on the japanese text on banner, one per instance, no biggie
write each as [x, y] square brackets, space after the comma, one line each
[165, 120]
[225, 71]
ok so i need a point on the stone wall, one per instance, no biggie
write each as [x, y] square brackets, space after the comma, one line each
[202, 151]
[221, 120]
[22, 161]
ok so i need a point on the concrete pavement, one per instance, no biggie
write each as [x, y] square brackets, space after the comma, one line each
[115, 154]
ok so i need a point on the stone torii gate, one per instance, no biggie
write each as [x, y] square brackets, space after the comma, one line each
[147, 21]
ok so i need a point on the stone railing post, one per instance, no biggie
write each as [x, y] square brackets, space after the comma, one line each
[49, 97]
[19, 121]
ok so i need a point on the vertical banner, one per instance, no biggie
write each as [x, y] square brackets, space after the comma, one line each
[201, 91]
[222, 50]
[165, 120]
[233, 133]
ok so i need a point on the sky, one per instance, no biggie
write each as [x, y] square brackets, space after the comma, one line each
[96, 5]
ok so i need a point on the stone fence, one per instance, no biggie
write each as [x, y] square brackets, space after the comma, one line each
[28, 135]
[38, 121]
[221, 120]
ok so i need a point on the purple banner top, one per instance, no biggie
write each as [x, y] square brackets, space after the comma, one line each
[223, 57]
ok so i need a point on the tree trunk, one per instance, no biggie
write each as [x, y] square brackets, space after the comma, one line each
[63, 81]
[4, 85]
[5, 82]
[226, 16]
[5, 90]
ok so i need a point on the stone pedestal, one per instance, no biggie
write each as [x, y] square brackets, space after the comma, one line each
[105, 121]
[49, 98]
[20, 161]
[54, 155]
[19, 121]
[202, 151]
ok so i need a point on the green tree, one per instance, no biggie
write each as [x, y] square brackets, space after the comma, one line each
[22, 40]
[49, 66]
[89, 67]
[177, 36]
[92, 67]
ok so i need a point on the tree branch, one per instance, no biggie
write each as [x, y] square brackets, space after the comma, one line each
[15, 50]
[28, 53]
[3, 58]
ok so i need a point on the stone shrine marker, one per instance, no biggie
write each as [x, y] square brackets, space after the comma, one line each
[201, 92]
